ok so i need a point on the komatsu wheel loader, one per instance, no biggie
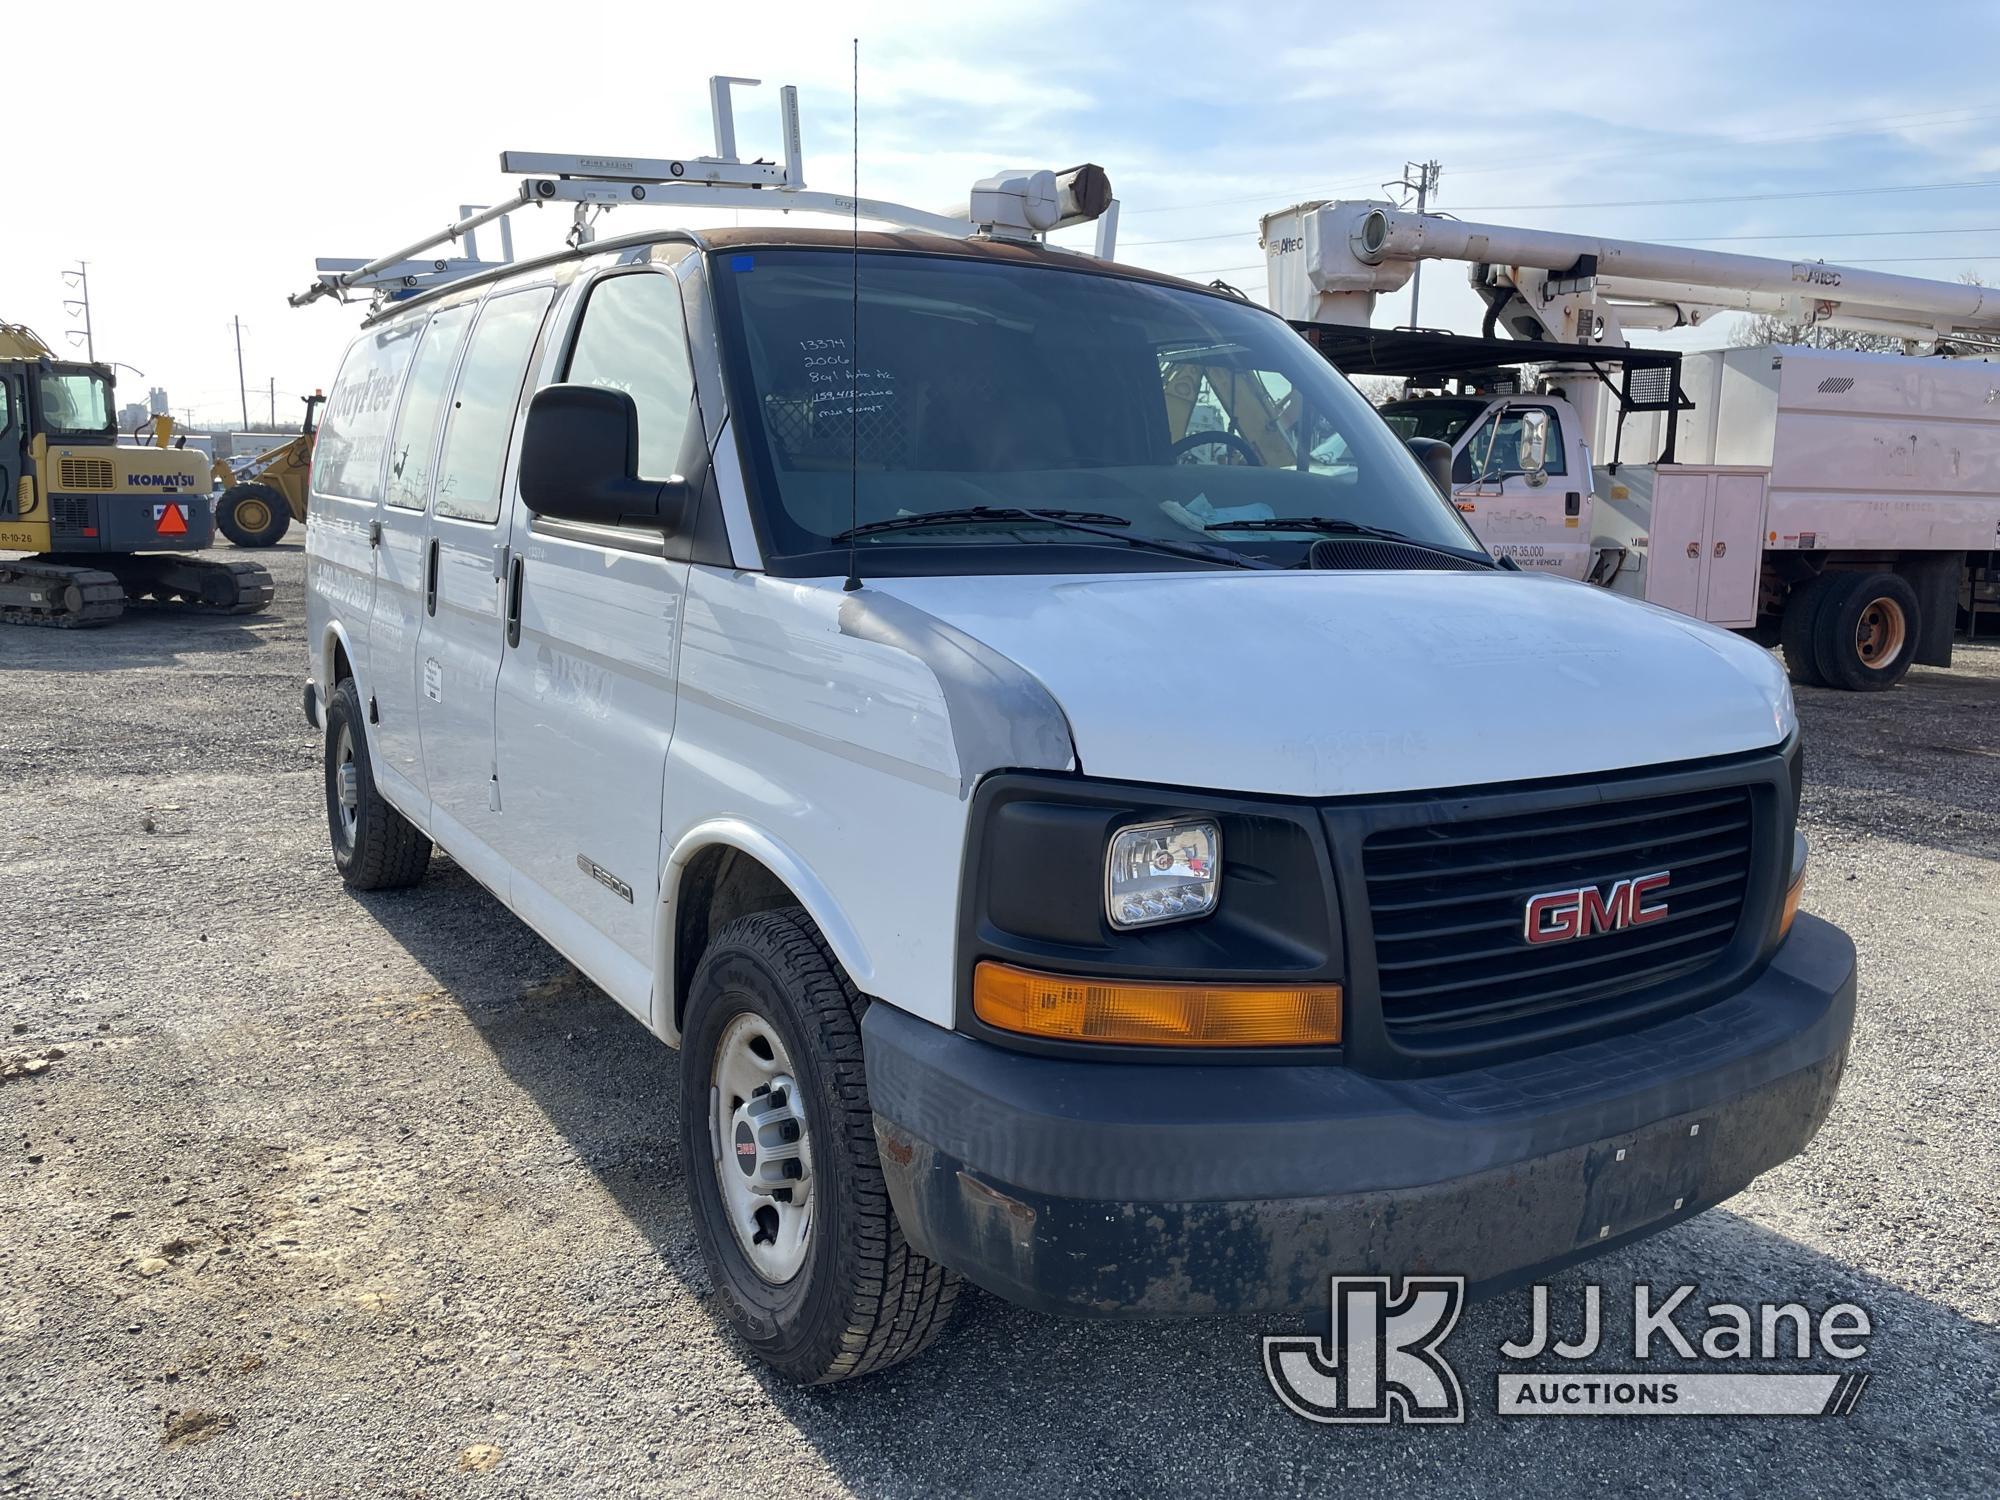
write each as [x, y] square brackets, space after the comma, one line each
[106, 525]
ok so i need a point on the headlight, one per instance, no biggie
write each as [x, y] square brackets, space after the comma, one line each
[1162, 872]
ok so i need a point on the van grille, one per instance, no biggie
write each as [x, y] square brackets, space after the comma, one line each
[84, 474]
[1448, 902]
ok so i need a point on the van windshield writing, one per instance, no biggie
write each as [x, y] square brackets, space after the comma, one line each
[981, 383]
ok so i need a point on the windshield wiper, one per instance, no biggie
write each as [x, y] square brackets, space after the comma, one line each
[1338, 526]
[1089, 522]
[980, 513]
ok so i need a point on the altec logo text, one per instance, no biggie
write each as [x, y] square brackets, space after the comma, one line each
[1586, 911]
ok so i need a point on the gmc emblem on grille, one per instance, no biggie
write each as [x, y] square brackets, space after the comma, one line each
[1558, 916]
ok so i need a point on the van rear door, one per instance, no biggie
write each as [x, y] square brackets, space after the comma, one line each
[459, 631]
[343, 521]
[402, 554]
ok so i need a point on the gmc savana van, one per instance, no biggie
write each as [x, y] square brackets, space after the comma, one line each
[1093, 819]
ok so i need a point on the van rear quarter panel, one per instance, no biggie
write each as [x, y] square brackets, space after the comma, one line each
[838, 750]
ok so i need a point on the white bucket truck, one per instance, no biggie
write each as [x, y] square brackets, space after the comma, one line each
[1846, 504]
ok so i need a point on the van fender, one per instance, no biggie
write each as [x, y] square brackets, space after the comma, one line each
[336, 635]
[777, 857]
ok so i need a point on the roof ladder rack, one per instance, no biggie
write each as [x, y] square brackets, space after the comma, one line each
[1012, 205]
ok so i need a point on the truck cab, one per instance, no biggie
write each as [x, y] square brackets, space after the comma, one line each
[1537, 513]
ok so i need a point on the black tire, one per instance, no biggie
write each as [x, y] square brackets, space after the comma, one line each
[1798, 630]
[378, 849]
[862, 1299]
[242, 504]
[1866, 635]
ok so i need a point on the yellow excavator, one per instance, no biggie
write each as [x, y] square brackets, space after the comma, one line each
[106, 525]
[260, 499]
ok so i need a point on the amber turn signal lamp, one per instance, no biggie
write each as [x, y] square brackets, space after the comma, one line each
[1064, 1008]
[1791, 906]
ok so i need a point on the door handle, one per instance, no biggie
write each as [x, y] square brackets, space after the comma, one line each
[431, 579]
[514, 603]
[374, 533]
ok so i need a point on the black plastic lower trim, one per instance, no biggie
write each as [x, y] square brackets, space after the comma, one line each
[1114, 1189]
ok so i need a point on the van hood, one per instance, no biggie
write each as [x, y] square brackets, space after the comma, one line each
[1318, 684]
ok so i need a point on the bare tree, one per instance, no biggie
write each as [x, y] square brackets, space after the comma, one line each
[1769, 328]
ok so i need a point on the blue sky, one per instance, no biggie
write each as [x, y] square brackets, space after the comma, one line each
[198, 193]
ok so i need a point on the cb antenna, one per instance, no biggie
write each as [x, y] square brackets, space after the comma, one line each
[854, 354]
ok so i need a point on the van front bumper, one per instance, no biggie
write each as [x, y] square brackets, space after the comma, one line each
[1143, 1190]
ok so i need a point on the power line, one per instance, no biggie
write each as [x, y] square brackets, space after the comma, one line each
[1907, 187]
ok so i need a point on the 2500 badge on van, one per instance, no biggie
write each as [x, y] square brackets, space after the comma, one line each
[1185, 865]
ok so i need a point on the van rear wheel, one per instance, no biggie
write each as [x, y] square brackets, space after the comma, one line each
[375, 847]
[778, 1149]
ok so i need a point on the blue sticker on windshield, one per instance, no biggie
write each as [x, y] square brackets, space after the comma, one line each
[742, 262]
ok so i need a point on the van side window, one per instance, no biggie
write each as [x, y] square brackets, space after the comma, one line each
[1506, 449]
[415, 443]
[354, 431]
[480, 422]
[634, 339]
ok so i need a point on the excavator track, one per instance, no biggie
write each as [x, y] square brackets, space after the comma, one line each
[67, 595]
[192, 585]
[62, 596]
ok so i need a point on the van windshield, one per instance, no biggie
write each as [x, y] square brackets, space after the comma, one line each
[1147, 411]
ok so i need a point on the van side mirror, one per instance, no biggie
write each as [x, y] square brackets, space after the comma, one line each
[1535, 447]
[580, 462]
[1436, 459]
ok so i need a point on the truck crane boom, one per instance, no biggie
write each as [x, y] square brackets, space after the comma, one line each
[1328, 261]
[1824, 500]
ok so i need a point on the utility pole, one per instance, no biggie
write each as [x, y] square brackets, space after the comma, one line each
[242, 389]
[80, 278]
[1421, 178]
[274, 401]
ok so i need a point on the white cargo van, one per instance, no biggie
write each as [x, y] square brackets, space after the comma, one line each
[1089, 813]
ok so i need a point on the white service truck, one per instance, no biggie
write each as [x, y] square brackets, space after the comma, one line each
[1844, 504]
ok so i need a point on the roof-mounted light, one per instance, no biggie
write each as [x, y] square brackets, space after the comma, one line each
[1020, 205]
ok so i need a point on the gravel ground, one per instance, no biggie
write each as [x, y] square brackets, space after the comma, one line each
[321, 1195]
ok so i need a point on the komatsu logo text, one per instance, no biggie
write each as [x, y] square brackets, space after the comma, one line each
[1559, 916]
[161, 481]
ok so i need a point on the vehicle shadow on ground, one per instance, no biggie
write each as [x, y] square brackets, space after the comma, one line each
[1010, 1400]
[141, 637]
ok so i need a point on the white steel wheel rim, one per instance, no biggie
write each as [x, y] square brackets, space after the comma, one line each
[1878, 635]
[761, 1149]
[347, 784]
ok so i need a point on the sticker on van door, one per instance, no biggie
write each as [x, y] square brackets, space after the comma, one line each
[433, 680]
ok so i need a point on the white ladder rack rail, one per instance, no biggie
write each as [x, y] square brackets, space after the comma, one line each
[600, 182]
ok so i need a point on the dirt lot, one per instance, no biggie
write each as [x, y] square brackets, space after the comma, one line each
[317, 1195]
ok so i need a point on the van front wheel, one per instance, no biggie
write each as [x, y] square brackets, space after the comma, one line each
[778, 1151]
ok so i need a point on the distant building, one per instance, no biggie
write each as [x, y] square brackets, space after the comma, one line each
[157, 399]
[132, 416]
